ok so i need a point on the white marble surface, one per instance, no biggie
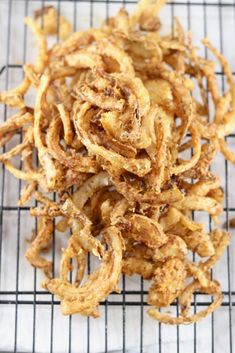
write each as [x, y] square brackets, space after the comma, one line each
[41, 315]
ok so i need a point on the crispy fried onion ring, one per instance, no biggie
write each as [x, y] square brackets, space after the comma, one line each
[119, 137]
[86, 298]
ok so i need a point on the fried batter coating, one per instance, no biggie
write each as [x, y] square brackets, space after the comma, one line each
[142, 267]
[42, 241]
[49, 17]
[144, 229]
[168, 282]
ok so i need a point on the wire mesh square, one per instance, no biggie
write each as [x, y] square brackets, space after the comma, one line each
[30, 318]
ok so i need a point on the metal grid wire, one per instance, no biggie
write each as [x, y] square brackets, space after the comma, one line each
[30, 320]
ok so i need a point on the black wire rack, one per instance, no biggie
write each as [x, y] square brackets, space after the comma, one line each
[30, 320]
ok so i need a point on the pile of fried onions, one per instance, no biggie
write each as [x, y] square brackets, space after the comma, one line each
[114, 117]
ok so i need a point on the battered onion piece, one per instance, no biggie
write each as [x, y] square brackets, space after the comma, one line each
[49, 17]
[41, 242]
[200, 203]
[27, 142]
[14, 98]
[204, 186]
[220, 241]
[19, 174]
[68, 159]
[81, 226]
[192, 233]
[15, 122]
[142, 267]
[170, 320]
[86, 297]
[96, 182]
[43, 56]
[184, 166]
[168, 283]
[114, 123]
[73, 251]
[7, 137]
[144, 229]
[26, 193]
[229, 155]
[145, 14]
[67, 124]
[174, 248]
